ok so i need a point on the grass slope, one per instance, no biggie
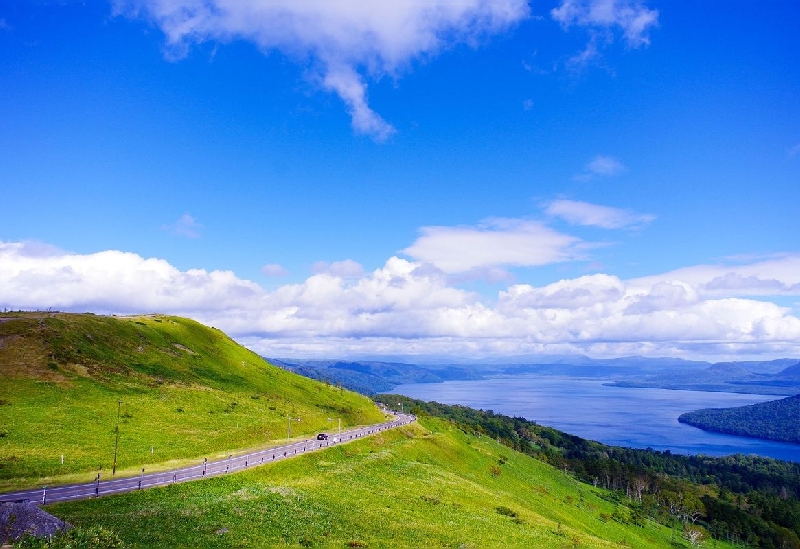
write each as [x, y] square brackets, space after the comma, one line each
[187, 392]
[426, 485]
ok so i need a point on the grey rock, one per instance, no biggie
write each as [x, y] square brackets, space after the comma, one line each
[19, 519]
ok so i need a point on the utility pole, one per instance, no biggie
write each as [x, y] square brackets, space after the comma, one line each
[340, 426]
[289, 426]
[116, 442]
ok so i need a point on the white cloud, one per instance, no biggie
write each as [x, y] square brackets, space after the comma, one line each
[274, 269]
[342, 42]
[113, 281]
[406, 307]
[605, 165]
[3, 25]
[186, 226]
[344, 269]
[631, 17]
[601, 165]
[498, 242]
[587, 56]
[771, 276]
[584, 213]
[794, 151]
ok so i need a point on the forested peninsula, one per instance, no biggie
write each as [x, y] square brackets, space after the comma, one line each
[777, 420]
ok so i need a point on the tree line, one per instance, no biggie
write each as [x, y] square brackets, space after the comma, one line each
[748, 500]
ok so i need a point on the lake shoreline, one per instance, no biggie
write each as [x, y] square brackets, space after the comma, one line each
[618, 416]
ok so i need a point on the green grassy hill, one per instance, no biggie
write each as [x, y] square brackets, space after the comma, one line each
[425, 485]
[187, 391]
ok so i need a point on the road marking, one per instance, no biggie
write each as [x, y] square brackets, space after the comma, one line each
[205, 469]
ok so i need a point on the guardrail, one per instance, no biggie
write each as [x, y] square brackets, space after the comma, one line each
[232, 463]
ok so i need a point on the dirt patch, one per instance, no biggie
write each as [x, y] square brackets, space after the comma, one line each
[183, 348]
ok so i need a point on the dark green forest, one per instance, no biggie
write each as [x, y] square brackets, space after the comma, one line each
[748, 500]
[775, 420]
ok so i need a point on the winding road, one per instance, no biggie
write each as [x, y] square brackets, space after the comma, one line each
[205, 469]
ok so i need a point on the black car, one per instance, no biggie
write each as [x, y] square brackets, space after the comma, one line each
[322, 436]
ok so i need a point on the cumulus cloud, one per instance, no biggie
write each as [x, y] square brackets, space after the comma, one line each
[408, 307]
[771, 276]
[274, 269]
[342, 42]
[496, 243]
[631, 17]
[584, 213]
[344, 269]
[185, 226]
[113, 281]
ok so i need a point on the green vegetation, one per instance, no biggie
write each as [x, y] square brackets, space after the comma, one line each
[743, 499]
[459, 478]
[93, 537]
[775, 420]
[426, 485]
[186, 391]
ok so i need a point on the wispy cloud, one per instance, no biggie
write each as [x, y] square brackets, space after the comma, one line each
[495, 243]
[601, 165]
[408, 307]
[342, 43]
[527, 104]
[794, 151]
[605, 165]
[584, 213]
[633, 18]
[274, 269]
[343, 269]
[185, 226]
[603, 20]
[3, 25]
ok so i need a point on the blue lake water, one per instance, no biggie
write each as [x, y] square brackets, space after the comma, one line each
[636, 418]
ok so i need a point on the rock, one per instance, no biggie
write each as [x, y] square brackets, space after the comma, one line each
[18, 519]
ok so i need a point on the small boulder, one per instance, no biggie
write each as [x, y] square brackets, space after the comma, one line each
[19, 519]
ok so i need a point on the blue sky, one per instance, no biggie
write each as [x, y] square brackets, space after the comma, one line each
[460, 178]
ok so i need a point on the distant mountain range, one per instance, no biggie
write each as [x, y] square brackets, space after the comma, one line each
[779, 377]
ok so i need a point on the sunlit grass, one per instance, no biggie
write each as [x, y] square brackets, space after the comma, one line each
[63, 378]
[425, 485]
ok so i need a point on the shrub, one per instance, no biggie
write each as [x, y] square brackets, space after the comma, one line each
[505, 511]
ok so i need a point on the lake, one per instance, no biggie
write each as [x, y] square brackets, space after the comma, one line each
[619, 416]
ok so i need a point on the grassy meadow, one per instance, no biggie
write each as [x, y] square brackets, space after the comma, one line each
[183, 391]
[187, 392]
[423, 485]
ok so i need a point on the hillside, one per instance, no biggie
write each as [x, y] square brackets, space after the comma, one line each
[775, 420]
[427, 485]
[777, 377]
[185, 391]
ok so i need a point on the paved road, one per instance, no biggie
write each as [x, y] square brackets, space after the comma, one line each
[233, 463]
